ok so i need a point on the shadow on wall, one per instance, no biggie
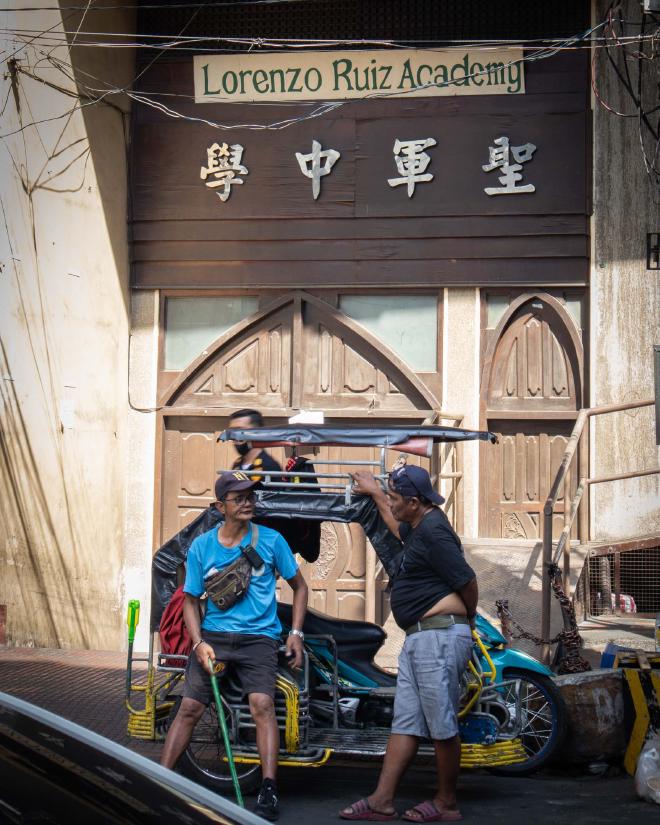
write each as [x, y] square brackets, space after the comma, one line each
[38, 575]
[107, 123]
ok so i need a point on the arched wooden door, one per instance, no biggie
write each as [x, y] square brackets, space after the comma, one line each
[298, 352]
[531, 391]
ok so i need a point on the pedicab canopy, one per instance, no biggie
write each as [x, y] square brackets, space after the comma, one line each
[405, 439]
[296, 510]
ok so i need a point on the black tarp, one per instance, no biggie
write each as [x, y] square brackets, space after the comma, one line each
[297, 515]
[352, 436]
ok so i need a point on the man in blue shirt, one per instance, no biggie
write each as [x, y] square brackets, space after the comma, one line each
[247, 634]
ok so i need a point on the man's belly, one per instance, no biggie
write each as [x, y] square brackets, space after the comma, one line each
[447, 604]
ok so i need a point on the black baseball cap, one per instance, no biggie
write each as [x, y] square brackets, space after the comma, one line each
[412, 481]
[233, 480]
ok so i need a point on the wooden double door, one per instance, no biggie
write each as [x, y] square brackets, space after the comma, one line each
[532, 388]
[297, 352]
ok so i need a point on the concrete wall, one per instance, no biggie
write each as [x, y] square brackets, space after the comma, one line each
[63, 338]
[625, 306]
[460, 394]
[142, 379]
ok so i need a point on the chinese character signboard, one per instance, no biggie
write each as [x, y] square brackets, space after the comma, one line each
[396, 167]
[411, 163]
[296, 76]
[500, 159]
[316, 164]
[223, 162]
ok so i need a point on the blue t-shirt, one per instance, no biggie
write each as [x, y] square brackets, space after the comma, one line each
[256, 613]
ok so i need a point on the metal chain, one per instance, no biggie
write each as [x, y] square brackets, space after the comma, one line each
[571, 661]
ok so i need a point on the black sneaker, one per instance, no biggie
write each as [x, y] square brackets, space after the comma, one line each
[267, 803]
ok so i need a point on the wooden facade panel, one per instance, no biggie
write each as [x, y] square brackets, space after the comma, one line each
[320, 274]
[172, 154]
[445, 226]
[540, 246]
[556, 169]
[271, 233]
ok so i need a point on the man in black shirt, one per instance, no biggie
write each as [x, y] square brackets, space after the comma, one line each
[249, 457]
[434, 599]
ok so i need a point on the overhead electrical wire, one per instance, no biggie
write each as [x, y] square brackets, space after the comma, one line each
[215, 4]
[321, 108]
[533, 50]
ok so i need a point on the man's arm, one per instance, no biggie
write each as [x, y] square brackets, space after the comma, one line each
[191, 618]
[364, 482]
[294, 645]
[470, 595]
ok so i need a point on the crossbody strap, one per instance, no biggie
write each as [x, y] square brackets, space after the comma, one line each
[249, 551]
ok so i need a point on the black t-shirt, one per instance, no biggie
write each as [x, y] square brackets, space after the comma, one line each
[432, 566]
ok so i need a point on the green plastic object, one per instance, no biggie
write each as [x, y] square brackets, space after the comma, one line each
[132, 618]
[225, 735]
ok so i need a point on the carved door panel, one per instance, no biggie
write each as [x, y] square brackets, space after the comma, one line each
[534, 368]
[523, 465]
[343, 368]
[533, 392]
[253, 370]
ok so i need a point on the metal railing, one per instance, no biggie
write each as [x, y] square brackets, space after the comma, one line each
[579, 505]
[446, 465]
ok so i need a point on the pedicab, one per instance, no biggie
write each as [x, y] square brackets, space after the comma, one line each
[338, 707]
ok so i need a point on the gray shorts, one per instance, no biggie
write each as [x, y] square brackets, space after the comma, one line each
[254, 659]
[428, 685]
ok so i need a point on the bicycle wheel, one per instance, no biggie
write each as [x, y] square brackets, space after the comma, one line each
[542, 722]
[204, 760]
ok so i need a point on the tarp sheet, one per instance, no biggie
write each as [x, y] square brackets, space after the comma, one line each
[351, 436]
[296, 515]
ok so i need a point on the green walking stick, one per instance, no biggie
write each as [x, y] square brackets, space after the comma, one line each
[225, 734]
[132, 619]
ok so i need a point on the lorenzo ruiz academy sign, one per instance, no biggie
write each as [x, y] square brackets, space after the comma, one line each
[296, 76]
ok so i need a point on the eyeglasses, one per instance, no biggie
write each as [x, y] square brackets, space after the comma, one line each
[250, 497]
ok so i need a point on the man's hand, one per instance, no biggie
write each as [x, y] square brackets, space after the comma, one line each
[366, 483]
[204, 652]
[294, 651]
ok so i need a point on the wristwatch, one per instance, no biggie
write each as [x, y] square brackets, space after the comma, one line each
[294, 632]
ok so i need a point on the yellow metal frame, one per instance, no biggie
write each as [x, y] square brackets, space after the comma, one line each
[291, 725]
[142, 723]
[285, 761]
[486, 756]
[475, 687]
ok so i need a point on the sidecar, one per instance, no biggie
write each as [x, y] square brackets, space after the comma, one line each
[340, 705]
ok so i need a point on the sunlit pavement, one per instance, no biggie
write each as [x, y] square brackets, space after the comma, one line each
[88, 688]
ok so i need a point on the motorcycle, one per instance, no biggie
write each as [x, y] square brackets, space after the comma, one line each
[512, 719]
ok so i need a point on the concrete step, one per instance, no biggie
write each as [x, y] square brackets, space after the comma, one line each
[627, 631]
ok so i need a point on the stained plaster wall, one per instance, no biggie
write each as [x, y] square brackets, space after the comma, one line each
[63, 338]
[625, 308]
[460, 394]
[143, 371]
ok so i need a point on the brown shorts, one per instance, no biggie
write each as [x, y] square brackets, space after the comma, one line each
[253, 659]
